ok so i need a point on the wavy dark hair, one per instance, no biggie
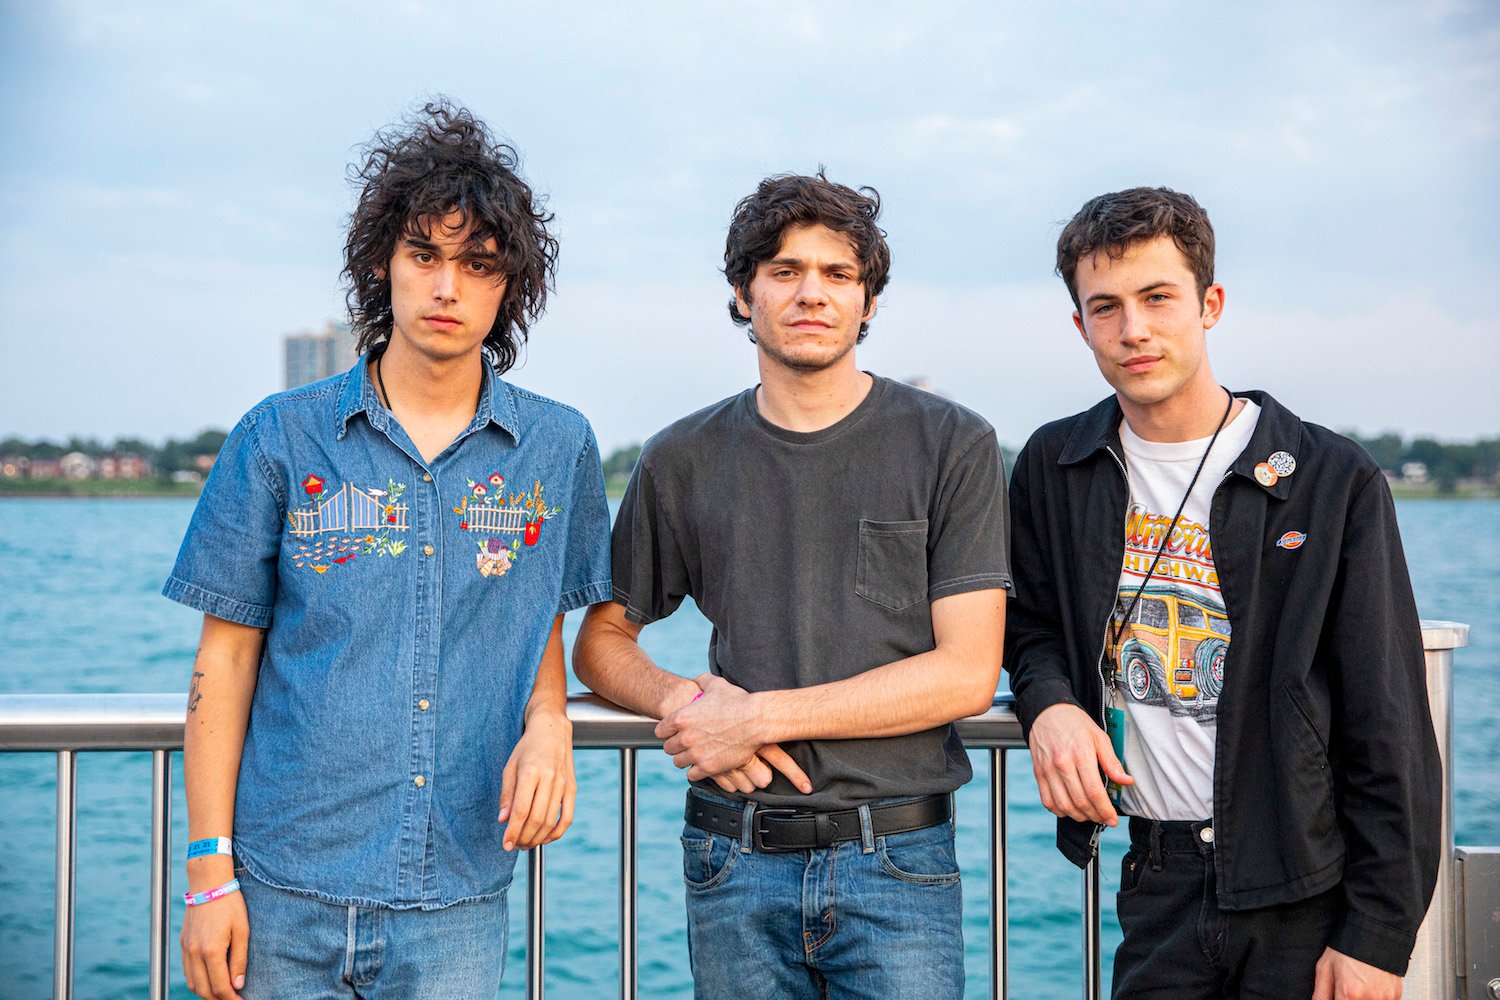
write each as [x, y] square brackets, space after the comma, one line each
[437, 162]
[1112, 223]
[786, 200]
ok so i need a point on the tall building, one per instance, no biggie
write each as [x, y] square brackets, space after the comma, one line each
[313, 356]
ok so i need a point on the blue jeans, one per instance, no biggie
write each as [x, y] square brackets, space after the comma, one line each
[302, 948]
[873, 919]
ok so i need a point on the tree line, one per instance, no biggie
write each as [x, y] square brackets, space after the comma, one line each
[165, 459]
[1447, 464]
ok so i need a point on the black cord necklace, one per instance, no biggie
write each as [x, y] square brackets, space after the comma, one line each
[1167, 538]
[385, 397]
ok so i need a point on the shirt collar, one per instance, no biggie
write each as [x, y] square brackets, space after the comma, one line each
[1278, 429]
[497, 401]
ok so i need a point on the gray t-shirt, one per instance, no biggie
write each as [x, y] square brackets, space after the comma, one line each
[817, 556]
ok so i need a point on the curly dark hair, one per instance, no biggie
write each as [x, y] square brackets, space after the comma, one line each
[437, 162]
[786, 200]
[1112, 223]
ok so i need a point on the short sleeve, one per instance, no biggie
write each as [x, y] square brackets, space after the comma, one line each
[585, 578]
[968, 545]
[650, 574]
[227, 564]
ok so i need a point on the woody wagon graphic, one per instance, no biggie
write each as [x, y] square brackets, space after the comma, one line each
[332, 529]
[1176, 648]
[488, 511]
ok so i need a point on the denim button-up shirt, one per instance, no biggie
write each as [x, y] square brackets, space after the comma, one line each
[407, 604]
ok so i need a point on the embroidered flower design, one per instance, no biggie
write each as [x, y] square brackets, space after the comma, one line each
[498, 518]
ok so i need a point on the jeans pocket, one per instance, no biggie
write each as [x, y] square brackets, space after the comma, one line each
[1132, 867]
[892, 566]
[923, 857]
[707, 860]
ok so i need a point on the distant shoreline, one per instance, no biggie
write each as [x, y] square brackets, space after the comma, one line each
[94, 489]
[614, 491]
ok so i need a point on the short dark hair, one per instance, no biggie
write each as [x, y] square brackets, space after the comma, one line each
[786, 200]
[437, 162]
[1112, 223]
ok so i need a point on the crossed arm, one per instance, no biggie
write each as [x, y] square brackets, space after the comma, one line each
[728, 728]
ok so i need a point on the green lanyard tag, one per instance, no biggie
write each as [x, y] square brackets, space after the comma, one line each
[1114, 719]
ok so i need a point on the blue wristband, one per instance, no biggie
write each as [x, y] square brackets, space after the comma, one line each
[210, 845]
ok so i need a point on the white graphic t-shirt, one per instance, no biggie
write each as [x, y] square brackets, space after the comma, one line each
[1169, 661]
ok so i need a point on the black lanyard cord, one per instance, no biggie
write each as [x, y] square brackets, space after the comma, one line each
[1167, 538]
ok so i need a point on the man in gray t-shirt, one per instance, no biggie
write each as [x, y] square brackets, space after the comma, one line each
[845, 534]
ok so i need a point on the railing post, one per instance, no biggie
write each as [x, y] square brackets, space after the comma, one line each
[536, 885]
[161, 865]
[63, 895]
[999, 919]
[1091, 951]
[1433, 971]
[627, 874]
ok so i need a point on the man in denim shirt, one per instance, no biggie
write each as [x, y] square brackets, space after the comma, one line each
[383, 560]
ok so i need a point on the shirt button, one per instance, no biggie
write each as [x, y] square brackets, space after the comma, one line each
[419, 781]
[1206, 835]
[423, 704]
[428, 550]
[426, 477]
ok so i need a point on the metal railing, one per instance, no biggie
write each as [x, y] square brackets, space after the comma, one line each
[71, 724]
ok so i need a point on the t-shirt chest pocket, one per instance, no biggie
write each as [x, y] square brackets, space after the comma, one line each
[892, 568]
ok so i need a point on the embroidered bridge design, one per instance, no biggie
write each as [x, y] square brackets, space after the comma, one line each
[350, 509]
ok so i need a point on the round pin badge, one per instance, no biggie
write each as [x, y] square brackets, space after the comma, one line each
[1282, 463]
[1265, 475]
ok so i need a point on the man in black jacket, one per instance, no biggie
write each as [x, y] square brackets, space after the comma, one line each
[1212, 607]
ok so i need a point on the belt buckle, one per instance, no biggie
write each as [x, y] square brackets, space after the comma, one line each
[755, 830]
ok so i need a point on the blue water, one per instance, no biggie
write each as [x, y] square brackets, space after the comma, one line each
[80, 611]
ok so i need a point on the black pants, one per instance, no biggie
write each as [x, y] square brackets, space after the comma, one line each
[1179, 945]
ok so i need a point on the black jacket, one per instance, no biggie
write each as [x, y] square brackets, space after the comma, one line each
[1326, 768]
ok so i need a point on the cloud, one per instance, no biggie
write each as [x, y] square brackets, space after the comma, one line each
[966, 133]
[1346, 151]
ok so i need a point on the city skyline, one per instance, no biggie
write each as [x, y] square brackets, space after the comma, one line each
[197, 156]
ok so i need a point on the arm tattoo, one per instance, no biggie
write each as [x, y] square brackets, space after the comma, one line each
[195, 691]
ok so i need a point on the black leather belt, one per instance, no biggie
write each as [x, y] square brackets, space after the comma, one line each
[781, 829]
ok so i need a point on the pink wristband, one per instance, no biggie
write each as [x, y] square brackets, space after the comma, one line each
[233, 885]
[700, 694]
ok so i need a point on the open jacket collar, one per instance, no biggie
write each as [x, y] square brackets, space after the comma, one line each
[1278, 429]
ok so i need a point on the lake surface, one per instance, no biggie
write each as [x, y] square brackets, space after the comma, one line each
[81, 611]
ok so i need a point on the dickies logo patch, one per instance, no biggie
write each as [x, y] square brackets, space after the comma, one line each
[1291, 540]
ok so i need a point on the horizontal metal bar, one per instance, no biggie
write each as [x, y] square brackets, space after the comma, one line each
[55, 722]
[92, 721]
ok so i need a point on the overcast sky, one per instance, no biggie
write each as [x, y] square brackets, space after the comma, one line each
[173, 190]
